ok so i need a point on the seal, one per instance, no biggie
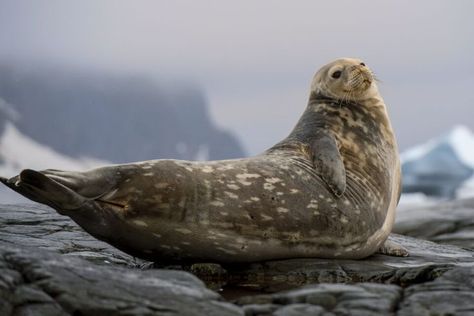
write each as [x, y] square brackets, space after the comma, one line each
[328, 190]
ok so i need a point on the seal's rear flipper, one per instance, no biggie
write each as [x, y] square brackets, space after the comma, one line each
[40, 188]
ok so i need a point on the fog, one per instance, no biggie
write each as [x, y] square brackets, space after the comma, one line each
[255, 59]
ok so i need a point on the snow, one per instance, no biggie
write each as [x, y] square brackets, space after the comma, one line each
[461, 140]
[8, 110]
[466, 190]
[18, 152]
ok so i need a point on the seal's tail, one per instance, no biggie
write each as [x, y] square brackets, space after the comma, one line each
[40, 188]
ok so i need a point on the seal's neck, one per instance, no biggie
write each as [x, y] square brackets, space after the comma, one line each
[318, 97]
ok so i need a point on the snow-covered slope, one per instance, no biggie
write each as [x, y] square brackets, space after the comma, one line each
[460, 138]
[443, 166]
[18, 152]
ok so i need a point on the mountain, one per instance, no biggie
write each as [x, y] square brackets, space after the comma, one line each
[114, 117]
[441, 167]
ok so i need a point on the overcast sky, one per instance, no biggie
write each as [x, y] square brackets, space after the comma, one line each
[255, 59]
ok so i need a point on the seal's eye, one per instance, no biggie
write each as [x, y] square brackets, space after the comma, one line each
[336, 74]
[362, 64]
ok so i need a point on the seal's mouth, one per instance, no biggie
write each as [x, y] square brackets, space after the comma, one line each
[360, 79]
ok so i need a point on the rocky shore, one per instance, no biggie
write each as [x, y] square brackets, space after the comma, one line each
[50, 266]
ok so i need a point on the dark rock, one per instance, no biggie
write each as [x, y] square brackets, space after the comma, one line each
[39, 282]
[339, 299]
[446, 223]
[39, 226]
[450, 294]
[43, 272]
[426, 262]
[300, 309]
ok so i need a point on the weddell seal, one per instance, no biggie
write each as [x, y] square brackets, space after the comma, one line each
[328, 190]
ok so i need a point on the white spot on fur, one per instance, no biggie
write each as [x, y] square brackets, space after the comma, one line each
[255, 198]
[266, 217]
[316, 213]
[227, 251]
[140, 223]
[224, 213]
[207, 169]
[146, 167]
[273, 180]
[243, 182]
[157, 235]
[231, 195]
[282, 210]
[149, 174]
[186, 243]
[233, 186]
[225, 167]
[344, 220]
[321, 196]
[248, 175]
[313, 204]
[243, 177]
[346, 202]
[183, 231]
[294, 191]
[217, 203]
[268, 186]
[280, 193]
[165, 246]
[161, 185]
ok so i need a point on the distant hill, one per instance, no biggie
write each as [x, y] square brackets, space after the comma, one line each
[117, 118]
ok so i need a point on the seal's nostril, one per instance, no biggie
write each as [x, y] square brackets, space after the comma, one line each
[362, 64]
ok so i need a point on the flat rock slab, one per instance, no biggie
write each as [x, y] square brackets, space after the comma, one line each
[50, 266]
[450, 294]
[426, 262]
[39, 226]
[40, 282]
[447, 223]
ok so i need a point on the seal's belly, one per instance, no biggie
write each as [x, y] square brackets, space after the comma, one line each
[246, 205]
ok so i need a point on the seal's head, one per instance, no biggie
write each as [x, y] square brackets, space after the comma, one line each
[346, 79]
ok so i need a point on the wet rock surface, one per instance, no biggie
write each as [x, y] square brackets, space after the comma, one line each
[38, 282]
[447, 223]
[50, 266]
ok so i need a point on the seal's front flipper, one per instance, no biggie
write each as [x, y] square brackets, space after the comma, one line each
[328, 163]
[391, 248]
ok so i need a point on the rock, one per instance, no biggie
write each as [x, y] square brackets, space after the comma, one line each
[446, 223]
[340, 299]
[450, 294]
[50, 266]
[40, 282]
[426, 262]
[39, 226]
